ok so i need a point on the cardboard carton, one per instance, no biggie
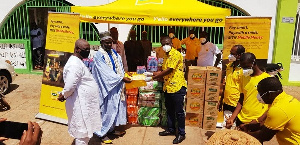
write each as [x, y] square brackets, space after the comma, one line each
[196, 91]
[196, 75]
[193, 119]
[212, 93]
[210, 108]
[209, 122]
[213, 76]
[194, 105]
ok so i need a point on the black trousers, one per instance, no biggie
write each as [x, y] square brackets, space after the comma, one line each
[228, 107]
[38, 56]
[174, 105]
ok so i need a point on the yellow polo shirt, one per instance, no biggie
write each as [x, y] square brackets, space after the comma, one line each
[252, 109]
[175, 80]
[233, 82]
[284, 115]
[192, 45]
[176, 43]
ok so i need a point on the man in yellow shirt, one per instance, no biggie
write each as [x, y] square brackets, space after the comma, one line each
[175, 41]
[234, 74]
[174, 89]
[283, 116]
[248, 107]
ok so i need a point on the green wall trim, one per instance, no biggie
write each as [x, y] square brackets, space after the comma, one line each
[284, 35]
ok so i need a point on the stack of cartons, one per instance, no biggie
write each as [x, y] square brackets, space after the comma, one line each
[213, 80]
[195, 96]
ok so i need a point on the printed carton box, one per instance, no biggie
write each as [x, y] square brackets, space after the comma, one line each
[193, 119]
[196, 91]
[196, 75]
[209, 122]
[212, 93]
[210, 108]
[194, 105]
[213, 76]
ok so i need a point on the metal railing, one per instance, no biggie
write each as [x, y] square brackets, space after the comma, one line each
[296, 46]
[16, 24]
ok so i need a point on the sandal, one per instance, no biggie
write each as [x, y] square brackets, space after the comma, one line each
[106, 140]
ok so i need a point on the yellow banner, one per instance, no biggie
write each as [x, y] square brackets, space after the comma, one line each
[155, 12]
[62, 32]
[251, 32]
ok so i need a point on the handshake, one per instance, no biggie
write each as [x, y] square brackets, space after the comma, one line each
[148, 76]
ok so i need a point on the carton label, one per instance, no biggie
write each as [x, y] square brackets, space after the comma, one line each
[195, 106]
[195, 91]
[212, 103]
[197, 76]
[213, 74]
[193, 120]
[212, 90]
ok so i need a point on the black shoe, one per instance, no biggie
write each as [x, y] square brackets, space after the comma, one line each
[165, 133]
[178, 139]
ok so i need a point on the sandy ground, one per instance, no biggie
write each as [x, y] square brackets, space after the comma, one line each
[24, 100]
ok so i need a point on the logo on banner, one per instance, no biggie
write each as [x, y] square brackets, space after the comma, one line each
[145, 2]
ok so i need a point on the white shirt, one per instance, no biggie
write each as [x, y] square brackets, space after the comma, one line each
[83, 101]
[206, 54]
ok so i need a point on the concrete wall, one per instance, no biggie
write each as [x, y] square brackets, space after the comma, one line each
[284, 38]
[254, 7]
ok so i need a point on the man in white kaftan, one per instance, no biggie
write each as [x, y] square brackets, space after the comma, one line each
[81, 93]
[109, 73]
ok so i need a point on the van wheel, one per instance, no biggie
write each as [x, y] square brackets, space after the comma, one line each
[4, 83]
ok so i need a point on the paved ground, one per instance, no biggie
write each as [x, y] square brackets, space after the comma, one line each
[24, 101]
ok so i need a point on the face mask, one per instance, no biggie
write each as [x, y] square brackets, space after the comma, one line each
[167, 48]
[247, 72]
[259, 98]
[84, 53]
[202, 40]
[171, 35]
[231, 58]
[192, 36]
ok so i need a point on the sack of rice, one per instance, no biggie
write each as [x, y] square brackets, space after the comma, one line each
[232, 137]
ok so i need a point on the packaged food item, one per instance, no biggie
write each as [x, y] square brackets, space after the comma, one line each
[131, 100]
[155, 103]
[151, 121]
[140, 69]
[154, 112]
[196, 75]
[213, 76]
[152, 85]
[131, 109]
[194, 105]
[132, 92]
[152, 64]
[210, 108]
[133, 119]
[196, 91]
[212, 93]
[149, 96]
[193, 119]
[210, 122]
